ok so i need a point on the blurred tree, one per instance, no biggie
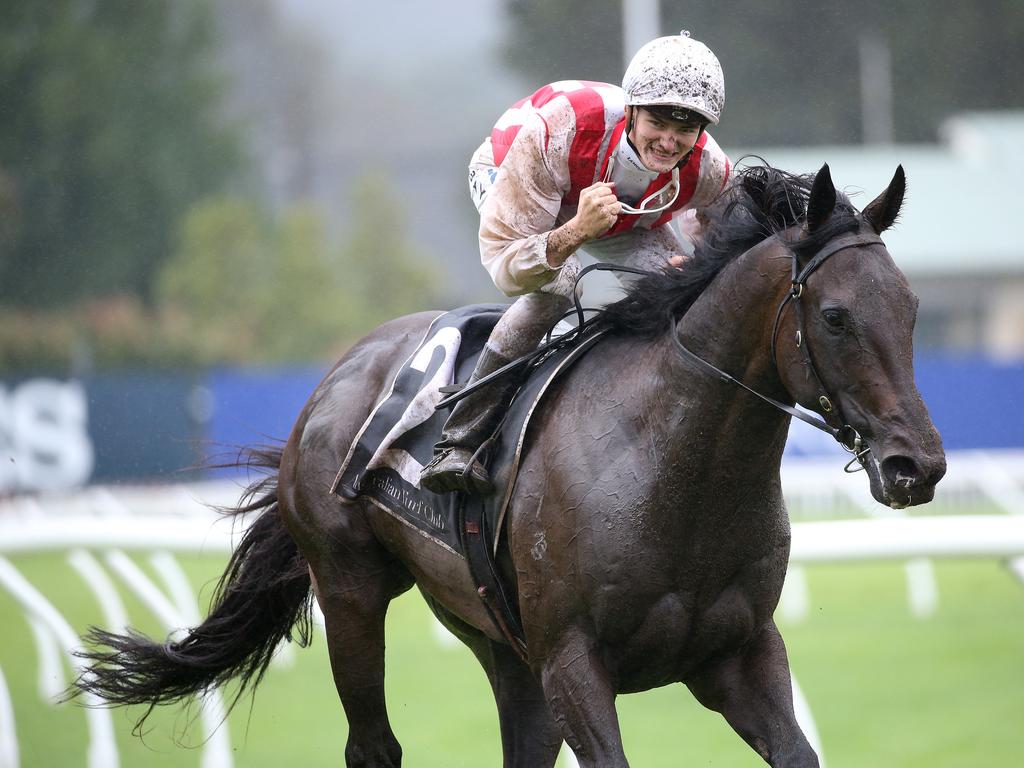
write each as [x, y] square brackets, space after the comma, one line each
[220, 272]
[253, 288]
[283, 91]
[386, 274]
[109, 130]
[792, 67]
[308, 309]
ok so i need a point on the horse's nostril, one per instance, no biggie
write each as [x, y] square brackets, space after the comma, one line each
[901, 471]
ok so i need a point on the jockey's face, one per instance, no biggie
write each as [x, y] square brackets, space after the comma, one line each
[661, 142]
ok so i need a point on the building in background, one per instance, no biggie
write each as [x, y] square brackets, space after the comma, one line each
[957, 238]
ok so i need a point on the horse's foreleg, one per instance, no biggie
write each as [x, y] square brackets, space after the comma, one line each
[581, 697]
[753, 691]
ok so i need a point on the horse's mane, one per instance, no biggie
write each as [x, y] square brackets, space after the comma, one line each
[759, 202]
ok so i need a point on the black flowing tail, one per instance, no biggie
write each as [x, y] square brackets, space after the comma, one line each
[262, 598]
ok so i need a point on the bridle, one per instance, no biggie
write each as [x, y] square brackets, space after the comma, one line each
[832, 421]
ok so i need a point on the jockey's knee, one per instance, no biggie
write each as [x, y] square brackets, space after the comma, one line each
[525, 323]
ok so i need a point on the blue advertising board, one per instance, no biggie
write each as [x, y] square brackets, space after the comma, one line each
[57, 434]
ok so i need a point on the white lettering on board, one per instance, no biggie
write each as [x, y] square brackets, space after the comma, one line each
[44, 440]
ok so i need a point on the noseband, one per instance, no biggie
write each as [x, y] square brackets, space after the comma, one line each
[832, 421]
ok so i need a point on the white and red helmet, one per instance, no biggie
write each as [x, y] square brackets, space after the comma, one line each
[676, 71]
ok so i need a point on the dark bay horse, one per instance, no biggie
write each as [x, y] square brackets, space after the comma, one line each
[647, 539]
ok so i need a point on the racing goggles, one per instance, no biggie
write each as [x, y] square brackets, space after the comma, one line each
[644, 205]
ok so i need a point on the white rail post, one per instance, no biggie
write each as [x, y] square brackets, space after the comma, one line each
[102, 745]
[8, 733]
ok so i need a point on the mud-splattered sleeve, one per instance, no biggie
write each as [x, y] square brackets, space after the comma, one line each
[522, 207]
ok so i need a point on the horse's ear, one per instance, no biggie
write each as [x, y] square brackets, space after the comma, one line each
[881, 212]
[822, 199]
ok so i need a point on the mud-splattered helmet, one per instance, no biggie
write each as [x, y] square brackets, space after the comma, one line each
[676, 71]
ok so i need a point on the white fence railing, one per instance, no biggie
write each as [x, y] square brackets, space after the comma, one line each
[99, 526]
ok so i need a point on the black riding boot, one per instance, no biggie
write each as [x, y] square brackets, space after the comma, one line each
[471, 422]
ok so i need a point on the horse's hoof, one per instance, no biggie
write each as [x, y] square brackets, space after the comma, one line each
[456, 470]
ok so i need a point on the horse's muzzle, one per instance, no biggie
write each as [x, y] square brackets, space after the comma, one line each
[902, 480]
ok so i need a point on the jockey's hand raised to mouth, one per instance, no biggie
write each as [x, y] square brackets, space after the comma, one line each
[596, 213]
[598, 210]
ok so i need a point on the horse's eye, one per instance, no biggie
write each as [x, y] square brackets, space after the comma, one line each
[833, 317]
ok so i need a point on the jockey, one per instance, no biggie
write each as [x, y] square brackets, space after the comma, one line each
[581, 165]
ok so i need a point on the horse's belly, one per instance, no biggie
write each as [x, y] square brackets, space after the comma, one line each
[676, 638]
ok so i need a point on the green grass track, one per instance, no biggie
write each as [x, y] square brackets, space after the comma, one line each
[886, 689]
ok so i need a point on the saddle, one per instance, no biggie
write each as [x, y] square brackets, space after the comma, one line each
[397, 439]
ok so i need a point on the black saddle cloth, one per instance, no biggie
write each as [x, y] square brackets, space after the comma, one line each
[397, 439]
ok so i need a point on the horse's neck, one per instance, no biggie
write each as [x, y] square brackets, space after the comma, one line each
[730, 327]
[730, 323]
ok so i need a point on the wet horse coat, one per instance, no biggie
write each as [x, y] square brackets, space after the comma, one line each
[647, 537]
